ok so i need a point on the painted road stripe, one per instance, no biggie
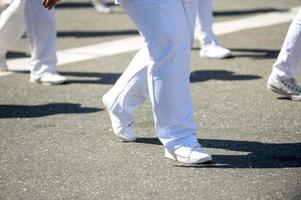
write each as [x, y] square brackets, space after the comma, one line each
[5, 73]
[134, 43]
[256, 21]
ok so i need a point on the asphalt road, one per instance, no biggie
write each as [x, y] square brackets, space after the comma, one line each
[56, 141]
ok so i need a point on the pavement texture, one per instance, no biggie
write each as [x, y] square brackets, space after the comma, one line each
[57, 143]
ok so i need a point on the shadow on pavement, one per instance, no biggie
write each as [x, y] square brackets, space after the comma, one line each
[255, 53]
[246, 12]
[196, 76]
[77, 4]
[224, 75]
[32, 111]
[16, 54]
[96, 78]
[260, 155]
[85, 4]
[80, 34]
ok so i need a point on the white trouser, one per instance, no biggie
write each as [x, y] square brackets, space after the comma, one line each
[290, 54]
[204, 22]
[11, 25]
[161, 67]
[41, 32]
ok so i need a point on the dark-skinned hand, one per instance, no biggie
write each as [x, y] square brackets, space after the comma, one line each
[49, 3]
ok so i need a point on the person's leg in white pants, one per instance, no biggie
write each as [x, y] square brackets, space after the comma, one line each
[131, 89]
[41, 32]
[11, 28]
[167, 76]
[40, 25]
[282, 78]
[210, 46]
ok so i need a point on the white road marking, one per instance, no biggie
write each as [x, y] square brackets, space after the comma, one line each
[134, 43]
[5, 73]
[256, 21]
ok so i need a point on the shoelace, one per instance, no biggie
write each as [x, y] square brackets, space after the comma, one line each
[291, 84]
[130, 124]
[197, 145]
[192, 148]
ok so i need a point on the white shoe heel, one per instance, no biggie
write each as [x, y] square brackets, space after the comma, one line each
[122, 130]
[190, 155]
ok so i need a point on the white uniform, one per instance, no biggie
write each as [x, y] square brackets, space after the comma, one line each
[289, 57]
[161, 67]
[210, 46]
[205, 21]
[40, 25]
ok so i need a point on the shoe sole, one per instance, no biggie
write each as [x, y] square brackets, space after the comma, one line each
[296, 98]
[281, 92]
[278, 91]
[184, 159]
[47, 83]
[212, 57]
[122, 138]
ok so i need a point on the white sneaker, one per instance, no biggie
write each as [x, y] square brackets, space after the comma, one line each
[121, 129]
[100, 6]
[49, 79]
[214, 50]
[285, 87]
[191, 155]
[3, 65]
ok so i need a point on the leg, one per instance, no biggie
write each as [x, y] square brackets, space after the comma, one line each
[167, 75]
[168, 71]
[290, 54]
[11, 28]
[209, 43]
[190, 9]
[205, 21]
[285, 68]
[41, 31]
[126, 95]
[131, 88]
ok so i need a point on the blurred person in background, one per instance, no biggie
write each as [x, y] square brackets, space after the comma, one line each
[282, 78]
[41, 32]
[210, 47]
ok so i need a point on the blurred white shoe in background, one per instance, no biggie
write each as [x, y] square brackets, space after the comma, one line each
[214, 50]
[101, 6]
[48, 79]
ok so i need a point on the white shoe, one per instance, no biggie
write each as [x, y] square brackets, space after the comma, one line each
[285, 87]
[49, 79]
[3, 65]
[121, 128]
[191, 155]
[101, 7]
[214, 50]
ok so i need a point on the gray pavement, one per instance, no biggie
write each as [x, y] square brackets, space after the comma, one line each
[56, 142]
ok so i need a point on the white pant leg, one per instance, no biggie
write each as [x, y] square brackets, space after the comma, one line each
[41, 31]
[190, 8]
[11, 25]
[165, 28]
[290, 54]
[131, 89]
[205, 21]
